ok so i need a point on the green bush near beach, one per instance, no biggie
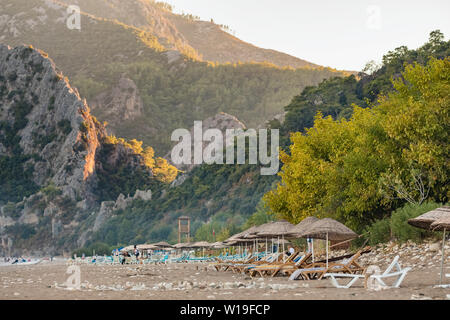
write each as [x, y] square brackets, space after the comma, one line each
[396, 227]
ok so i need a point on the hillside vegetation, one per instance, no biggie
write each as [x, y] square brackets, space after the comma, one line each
[172, 89]
[227, 198]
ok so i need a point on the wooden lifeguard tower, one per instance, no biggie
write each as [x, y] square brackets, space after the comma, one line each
[184, 228]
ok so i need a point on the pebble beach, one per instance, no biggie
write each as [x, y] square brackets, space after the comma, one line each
[200, 281]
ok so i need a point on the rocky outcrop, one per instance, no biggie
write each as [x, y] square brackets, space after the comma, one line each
[120, 103]
[221, 121]
[49, 137]
[55, 125]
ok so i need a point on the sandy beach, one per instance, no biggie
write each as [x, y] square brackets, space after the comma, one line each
[186, 281]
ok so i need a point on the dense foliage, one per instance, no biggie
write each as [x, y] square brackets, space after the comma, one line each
[335, 97]
[396, 226]
[133, 168]
[223, 195]
[360, 169]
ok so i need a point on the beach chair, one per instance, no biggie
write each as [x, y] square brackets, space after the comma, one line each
[226, 264]
[388, 273]
[274, 268]
[288, 268]
[318, 270]
[264, 261]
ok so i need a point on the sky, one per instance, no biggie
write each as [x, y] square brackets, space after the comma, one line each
[342, 34]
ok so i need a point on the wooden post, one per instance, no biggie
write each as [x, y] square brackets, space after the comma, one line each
[442, 258]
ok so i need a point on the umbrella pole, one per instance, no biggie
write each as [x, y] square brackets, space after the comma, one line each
[327, 249]
[312, 249]
[442, 259]
[266, 248]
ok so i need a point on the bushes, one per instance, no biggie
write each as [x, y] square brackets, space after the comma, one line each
[65, 126]
[100, 248]
[397, 227]
[379, 232]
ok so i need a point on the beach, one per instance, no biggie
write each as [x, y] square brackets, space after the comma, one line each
[200, 281]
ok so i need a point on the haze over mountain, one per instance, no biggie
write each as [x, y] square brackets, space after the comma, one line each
[186, 33]
[135, 80]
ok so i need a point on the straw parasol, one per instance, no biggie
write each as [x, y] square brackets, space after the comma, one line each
[128, 248]
[146, 247]
[304, 225]
[328, 229]
[180, 245]
[435, 220]
[425, 220]
[441, 224]
[201, 244]
[218, 245]
[162, 244]
[271, 229]
[275, 228]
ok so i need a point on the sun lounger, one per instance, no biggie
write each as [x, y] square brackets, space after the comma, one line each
[388, 273]
[319, 270]
[275, 267]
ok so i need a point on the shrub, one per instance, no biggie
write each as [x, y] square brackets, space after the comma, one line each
[401, 230]
[379, 232]
[65, 126]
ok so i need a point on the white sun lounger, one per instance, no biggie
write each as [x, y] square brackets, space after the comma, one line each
[353, 277]
[388, 273]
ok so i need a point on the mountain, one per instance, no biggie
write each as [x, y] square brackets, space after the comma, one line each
[140, 81]
[186, 33]
[223, 197]
[58, 167]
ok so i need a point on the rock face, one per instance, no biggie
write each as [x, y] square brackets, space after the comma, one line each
[120, 103]
[50, 114]
[221, 121]
[189, 35]
[52, 145]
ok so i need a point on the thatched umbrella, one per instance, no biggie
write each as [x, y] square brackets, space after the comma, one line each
[201, 244]
[435, 220]
[218, 245]
[128, 248]
[425, 220]
[146, 246]
[328, 229]
[279, 228]
[441, 225]
[302, 227]
[179, 245]
[162, 244]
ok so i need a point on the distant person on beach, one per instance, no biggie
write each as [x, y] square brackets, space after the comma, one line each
[136, 252]
[309, 241]
[291, 250]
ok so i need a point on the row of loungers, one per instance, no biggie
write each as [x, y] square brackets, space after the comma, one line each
[295, 266]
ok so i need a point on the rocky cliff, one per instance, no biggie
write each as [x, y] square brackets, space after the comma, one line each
[54, 155]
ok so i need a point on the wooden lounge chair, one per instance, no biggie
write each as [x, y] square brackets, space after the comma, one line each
[317, 271]
[274, 268]
[268, 260]
[241, 267]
